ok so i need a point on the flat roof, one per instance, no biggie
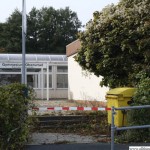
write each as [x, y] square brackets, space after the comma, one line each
[34, 57]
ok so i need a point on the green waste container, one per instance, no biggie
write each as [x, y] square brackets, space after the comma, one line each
[119, 97]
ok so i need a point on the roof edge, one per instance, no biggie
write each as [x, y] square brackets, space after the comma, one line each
[73, 47]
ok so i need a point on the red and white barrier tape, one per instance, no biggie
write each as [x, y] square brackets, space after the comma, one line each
[71, 108]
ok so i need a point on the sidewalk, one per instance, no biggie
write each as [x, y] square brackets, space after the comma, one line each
[95, 146]
[53, 138]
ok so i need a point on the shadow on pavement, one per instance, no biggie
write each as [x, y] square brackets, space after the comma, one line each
[94, 146]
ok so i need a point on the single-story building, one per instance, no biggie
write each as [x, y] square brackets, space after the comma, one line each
[82, 85]
[53, 76]
[47, 74]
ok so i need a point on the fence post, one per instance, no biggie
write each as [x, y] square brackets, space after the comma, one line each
[112, 127]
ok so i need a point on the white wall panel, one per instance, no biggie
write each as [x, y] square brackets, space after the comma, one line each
[83, 85]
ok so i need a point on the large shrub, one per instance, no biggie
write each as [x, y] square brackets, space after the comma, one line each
[14, 104]
[139, 117]
[116, 43]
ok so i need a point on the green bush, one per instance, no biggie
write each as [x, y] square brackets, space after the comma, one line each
[15, 100]
[140, 116]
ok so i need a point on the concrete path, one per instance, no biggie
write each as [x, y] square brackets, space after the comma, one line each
[64, 141]
[51, 138]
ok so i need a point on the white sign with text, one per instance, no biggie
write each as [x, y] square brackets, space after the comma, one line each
[19, 65]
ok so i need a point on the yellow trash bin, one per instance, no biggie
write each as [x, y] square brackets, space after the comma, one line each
[119, 97]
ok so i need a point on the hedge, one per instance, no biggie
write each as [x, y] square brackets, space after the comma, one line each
[15, 100]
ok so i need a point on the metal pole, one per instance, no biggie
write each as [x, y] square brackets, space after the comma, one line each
[112, 127]
[47, 81]
[133, 127]
[42, 83]
[23, 79]
[132, 107]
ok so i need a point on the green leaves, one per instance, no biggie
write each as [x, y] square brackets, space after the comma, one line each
[48, 31]
[14, 120]
[140, 117]
[117, 40]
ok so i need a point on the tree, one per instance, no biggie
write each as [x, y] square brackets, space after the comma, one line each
[10, 41]
[33, 30]
[116, 43]
[2, 37]
[48, 30]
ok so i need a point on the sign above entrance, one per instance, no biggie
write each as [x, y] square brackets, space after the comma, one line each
[19, 65]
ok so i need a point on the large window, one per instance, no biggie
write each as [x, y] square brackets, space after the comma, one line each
[9, 78]
[45, 77]
[45, 81]
[10, 75]
[62, 81]
[62, 77]
[32, 77]
[37, 77]
[32, 80]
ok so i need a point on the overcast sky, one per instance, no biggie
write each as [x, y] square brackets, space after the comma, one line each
[83, 8]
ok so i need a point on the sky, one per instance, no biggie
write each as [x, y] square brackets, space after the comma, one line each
[83, 8]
